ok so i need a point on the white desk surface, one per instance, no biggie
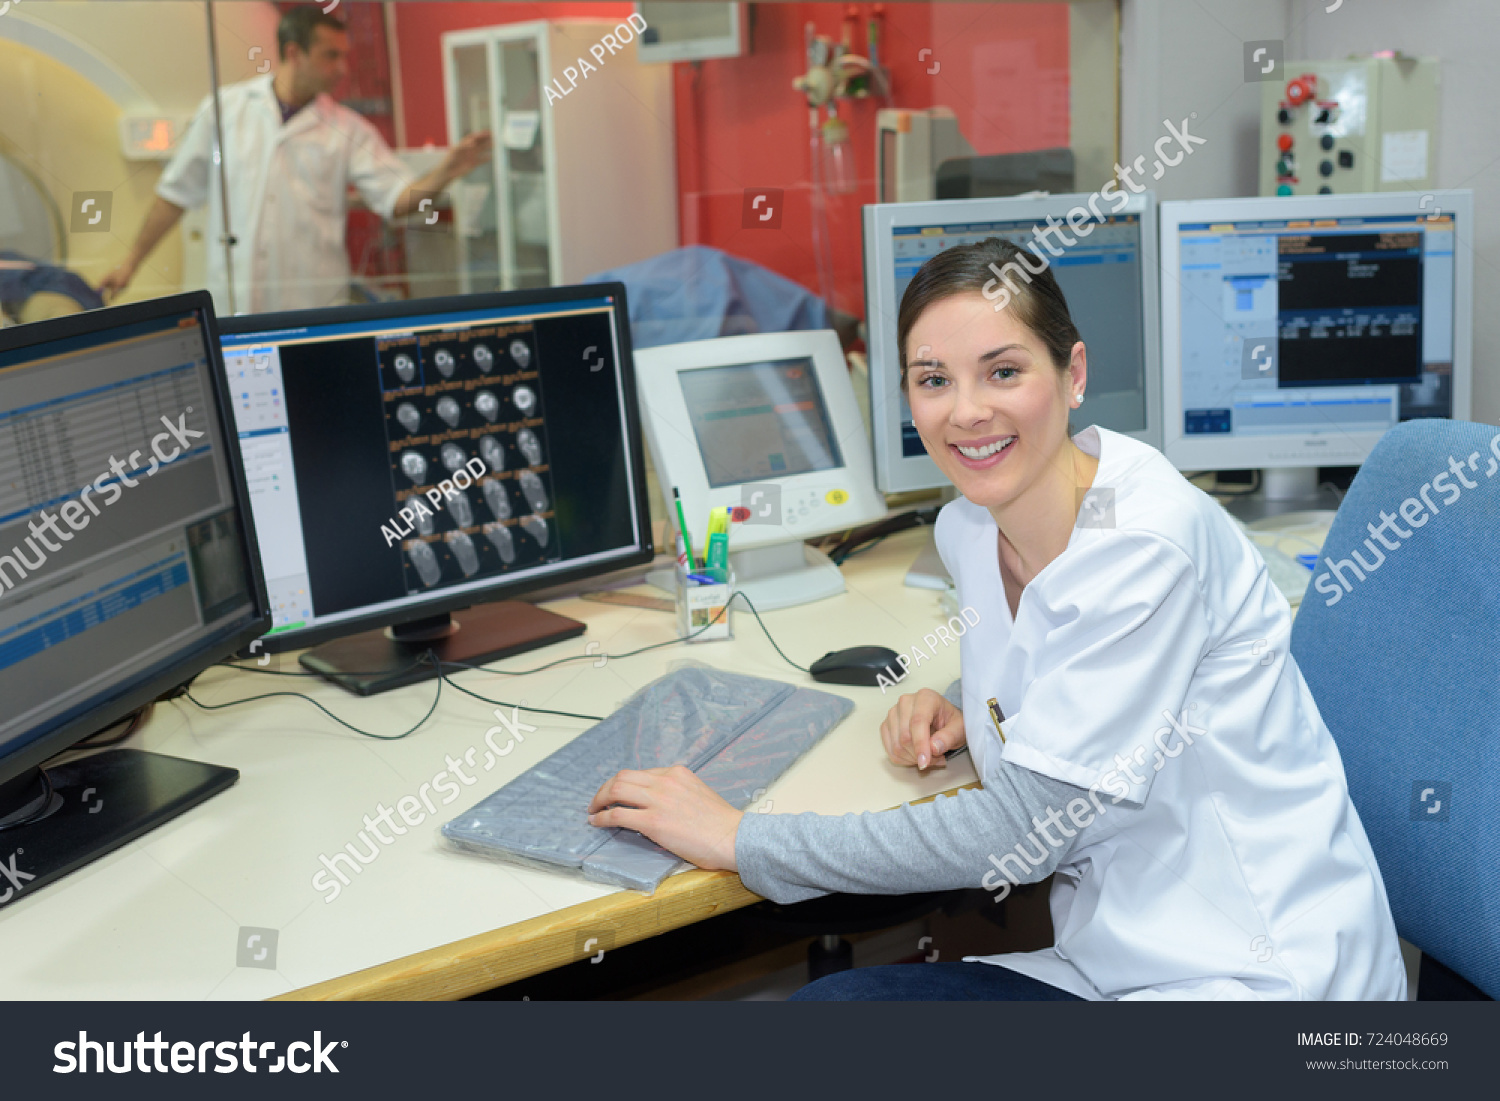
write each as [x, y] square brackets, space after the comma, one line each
[161, 917]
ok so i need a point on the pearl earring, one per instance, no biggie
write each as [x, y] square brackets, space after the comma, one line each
[1078, 399]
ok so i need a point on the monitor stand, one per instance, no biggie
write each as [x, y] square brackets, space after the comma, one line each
[928, 571]
[1282, 490]
[785, 575]
[99, 803]
[377, 661]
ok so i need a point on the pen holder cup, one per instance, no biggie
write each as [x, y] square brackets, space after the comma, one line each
[703, 612]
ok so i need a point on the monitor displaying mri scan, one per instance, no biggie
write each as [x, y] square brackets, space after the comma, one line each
[424, 456]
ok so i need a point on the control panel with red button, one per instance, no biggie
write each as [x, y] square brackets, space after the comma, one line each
[1341, 127]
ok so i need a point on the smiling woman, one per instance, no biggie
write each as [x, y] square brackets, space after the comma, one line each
[1135, 607]
[1027, 359]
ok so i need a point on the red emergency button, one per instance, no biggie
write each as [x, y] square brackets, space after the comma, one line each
[1302, 89]
[1284, 143]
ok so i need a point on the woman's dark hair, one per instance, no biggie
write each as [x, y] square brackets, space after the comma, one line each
[1002, 272]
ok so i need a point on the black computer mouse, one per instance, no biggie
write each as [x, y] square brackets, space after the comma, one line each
[860, 665]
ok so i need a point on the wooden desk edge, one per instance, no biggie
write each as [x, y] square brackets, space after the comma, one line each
[514, 952]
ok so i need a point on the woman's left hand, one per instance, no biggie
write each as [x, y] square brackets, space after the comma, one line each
[675, 809]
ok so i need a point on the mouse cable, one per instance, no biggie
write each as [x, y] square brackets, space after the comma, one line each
[738, 594]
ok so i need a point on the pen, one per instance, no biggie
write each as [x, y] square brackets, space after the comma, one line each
[687, 541]
[996, 717]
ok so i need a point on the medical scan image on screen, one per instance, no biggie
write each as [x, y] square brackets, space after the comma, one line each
[345, 424]
[1291, 325]
[755, 421]
[120, 544]
[468, 399]
[1101, 278]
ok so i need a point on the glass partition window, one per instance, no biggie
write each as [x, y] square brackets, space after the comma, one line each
[401, 150]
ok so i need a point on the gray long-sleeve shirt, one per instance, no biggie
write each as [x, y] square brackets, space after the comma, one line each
[949, 843]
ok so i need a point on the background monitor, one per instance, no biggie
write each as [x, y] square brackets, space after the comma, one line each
[1108, 277]
[768, 422]
[504, 425]
[1001, 175]
[1295, 331]
[126, 568]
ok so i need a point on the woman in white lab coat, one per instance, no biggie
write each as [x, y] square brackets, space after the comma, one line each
[1159, 750]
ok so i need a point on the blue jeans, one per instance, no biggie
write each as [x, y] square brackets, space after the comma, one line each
[931, 982]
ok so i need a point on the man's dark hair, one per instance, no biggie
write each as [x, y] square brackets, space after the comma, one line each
[300, 24]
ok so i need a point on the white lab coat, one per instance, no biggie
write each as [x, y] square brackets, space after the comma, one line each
[287, 184]
[1231, 864]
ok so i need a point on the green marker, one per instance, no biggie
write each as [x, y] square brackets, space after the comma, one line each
[687, 540]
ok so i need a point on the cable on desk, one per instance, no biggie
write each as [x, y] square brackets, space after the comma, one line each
[917, 517]
[302, 696]
[285, 673]
[453, 684]
[738, 593]
[595, 718]
[871, 545]
[134, 721]
[431, 656]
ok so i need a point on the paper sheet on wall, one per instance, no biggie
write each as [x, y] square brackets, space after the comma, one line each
[520, 129]
[1403, 156]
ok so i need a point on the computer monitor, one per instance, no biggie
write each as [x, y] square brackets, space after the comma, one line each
[768, 422]
[410, 459]
[1003, 175]
[127, 567]
[1296, 331]
[1107, 275]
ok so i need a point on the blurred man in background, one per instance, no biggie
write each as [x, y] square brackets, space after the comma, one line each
[291, 153]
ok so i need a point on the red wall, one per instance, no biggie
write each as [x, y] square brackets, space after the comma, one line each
[419, 39]
[1002, 68]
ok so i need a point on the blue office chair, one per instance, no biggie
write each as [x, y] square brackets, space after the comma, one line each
[1402, 664]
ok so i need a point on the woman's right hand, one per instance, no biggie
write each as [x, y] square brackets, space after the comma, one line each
[921, 728]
